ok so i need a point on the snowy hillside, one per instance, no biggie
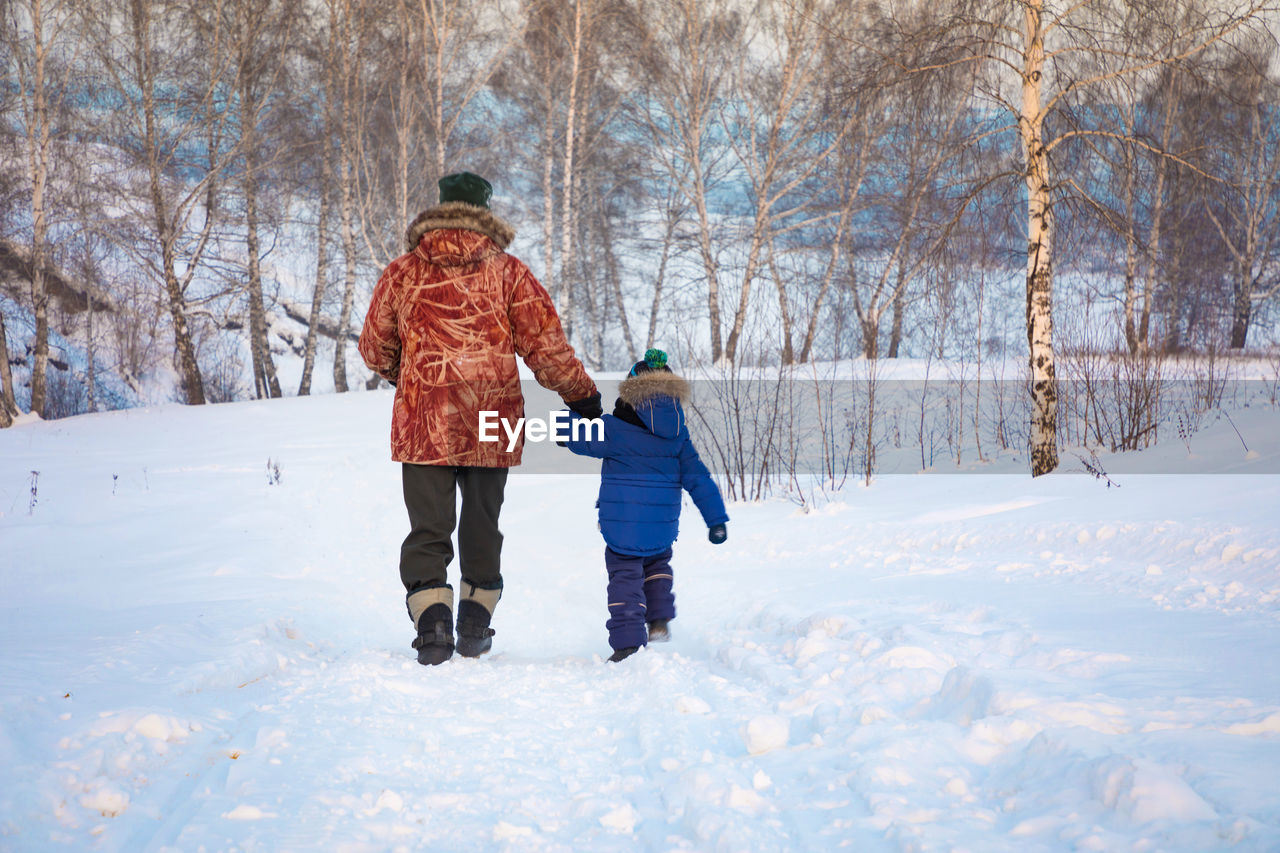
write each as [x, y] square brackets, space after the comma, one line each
[204, 645]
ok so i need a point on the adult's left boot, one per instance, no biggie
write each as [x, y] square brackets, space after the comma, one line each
[475, 611]
[431, 610]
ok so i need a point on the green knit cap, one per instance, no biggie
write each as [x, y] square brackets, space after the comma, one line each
[465, 187]
[654, 359]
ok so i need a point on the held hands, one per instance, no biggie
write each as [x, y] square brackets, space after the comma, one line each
[717, 533]
[587, 407]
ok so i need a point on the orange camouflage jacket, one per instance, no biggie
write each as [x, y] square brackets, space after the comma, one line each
[445, 325]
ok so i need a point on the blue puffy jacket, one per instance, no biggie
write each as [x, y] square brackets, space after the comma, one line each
[646, 465]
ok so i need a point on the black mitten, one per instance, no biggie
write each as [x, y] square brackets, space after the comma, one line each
[717, 533]
[588, 407]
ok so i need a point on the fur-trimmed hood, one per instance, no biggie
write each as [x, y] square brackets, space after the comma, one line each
[458, 214]
[653, 383]
[656, 398]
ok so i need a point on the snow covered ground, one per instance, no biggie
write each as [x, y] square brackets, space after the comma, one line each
[194, 656]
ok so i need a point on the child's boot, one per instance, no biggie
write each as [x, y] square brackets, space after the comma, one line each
[659, 631]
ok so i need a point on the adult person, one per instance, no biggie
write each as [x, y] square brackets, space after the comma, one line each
[445, 324]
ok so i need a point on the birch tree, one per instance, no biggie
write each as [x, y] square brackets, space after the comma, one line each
[1246, 214]
[35, 30]
[1143, 251]
[694, 42]
[915, 158]
[260, 33]
[569, 79]
[347, 19]
[324, 51]
[421, 105]
[8, 404]
[775, 139]
[462, 50]
[1041, 56]
[172, 128]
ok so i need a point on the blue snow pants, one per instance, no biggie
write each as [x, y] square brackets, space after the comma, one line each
[639, 592]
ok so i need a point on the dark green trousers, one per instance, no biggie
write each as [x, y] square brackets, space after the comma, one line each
[430, 495]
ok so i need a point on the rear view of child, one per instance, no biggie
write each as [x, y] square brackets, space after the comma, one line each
[649, 460]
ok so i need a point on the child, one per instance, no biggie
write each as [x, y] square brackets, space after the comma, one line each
[648, 458]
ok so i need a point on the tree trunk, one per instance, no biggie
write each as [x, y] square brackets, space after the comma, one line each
[322, 269]
[184, 347]
[38, 138]
[349, 276]
[549, 203]
[1241, 307]
[264, 369]
[8, 404]
[1130, 297]
[899, 309]
[91, 372]
[870, 326]
[348, 71]
[833, 263]
[1044, 392]
[753, 260]
[615, 286]
[1142, 334]
[784, 312]
[709, 265]
[660, 280]
[565, 282]
[439, 48]
[1153, 257]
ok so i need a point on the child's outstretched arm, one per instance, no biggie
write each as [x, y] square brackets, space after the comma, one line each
[697, 481]
[585, 437]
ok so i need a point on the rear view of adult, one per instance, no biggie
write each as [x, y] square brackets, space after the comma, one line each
[445, 325]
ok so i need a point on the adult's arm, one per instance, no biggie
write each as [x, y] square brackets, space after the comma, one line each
[539, 338]
[380, 338]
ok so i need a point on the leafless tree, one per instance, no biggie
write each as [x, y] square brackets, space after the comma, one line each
[567, 83]
[1142, 256]
[1042, 56]
[1246, 214]
[323, 42]
[259, 32]
[169, 73]
[38, 31]
[774, 133]
[695, 43]
[348, 24]
[8, 405]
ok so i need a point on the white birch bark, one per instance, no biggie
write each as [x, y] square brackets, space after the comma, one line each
[1039, 308]
[38, 139]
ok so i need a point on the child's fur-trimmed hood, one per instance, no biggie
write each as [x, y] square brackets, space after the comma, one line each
[636, 390]
[459, 214]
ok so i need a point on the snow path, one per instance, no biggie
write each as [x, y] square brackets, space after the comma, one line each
[194, 658]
